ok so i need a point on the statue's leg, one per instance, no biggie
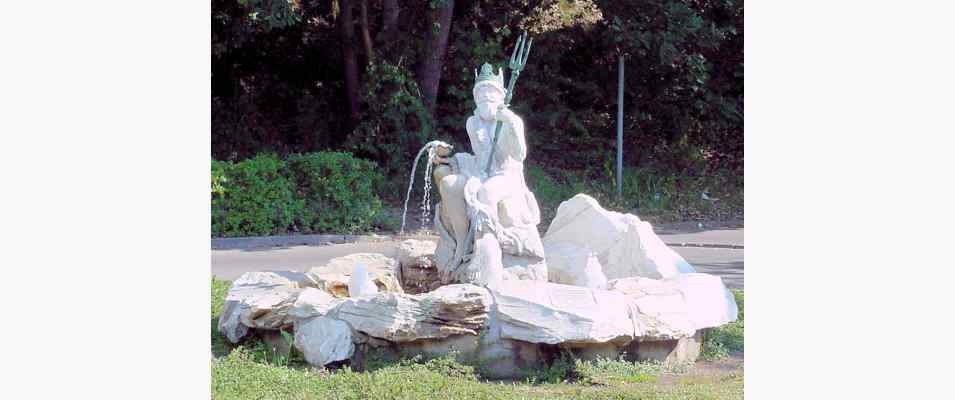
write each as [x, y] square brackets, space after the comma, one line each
[494, 190]
[454, 210]
[489, 269]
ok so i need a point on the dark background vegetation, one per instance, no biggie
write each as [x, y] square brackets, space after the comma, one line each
[379, 78]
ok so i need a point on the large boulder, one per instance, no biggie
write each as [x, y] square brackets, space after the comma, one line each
[324, 340]
[662, 312]
[709, 302]
[418, 271]
[575, 265]
[542, 312]
[260, 300]
[312, 302]
[333, 277]
[397, 317]
[624, 245]
[670, 309]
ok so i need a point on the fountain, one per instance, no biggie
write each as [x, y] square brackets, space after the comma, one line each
[426, 201]
[598, 283]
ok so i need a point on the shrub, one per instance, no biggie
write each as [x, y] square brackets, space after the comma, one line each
[314, 192]
[338, 192]
[255, 198]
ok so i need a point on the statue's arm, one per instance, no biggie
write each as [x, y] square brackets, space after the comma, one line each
[519, 147]
[471, 125]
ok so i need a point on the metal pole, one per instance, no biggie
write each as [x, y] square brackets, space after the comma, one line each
[620, 129]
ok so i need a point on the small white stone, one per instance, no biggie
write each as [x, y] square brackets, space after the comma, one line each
[333, 277]
[360, 284]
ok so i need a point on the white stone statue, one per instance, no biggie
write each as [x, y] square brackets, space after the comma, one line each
[488, 219]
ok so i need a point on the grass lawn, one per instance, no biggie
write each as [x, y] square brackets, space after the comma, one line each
[249, 371]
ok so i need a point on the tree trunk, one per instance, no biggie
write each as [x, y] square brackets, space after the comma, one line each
[436, 45]
[390, 11]
[365, 32]
[346, 25]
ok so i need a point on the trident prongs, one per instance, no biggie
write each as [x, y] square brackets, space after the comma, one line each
[518, 60]
[518, 52]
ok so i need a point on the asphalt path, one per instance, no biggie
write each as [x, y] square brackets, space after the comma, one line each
[706, 250]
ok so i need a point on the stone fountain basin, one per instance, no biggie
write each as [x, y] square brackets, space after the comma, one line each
[509, 330]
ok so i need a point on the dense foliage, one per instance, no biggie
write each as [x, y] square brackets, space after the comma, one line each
[338, 191]
[314, 192]
[355, 75]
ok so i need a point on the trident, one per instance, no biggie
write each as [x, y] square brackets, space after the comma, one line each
[518, 61]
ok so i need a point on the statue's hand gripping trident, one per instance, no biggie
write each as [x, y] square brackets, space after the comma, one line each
[518, 61]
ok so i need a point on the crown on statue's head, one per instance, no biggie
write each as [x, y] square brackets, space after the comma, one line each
[487, 76]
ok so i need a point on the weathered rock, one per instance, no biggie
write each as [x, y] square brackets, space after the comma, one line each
[671, 352]
[542, 312]
[661, 312]
[520, 268]
[397, 317]
[312, 302]
[419, 273]
[574, 265]
[710, 303]
[324, 340]
[670, 309]
[506, 358]
[465, 345]
[260, 300]
[333, 277]
[625, 246]
[595, 351]
[638, 287]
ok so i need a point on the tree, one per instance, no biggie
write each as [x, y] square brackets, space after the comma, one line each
[436, 45]
[346, 25]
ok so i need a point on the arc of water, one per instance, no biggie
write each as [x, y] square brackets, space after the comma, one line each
[426, 203]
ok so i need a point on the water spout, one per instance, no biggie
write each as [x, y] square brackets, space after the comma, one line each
[426, 202]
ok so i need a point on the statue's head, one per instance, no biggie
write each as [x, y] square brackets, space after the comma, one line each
[488, 91]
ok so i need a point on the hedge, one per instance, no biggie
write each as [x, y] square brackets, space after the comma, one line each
[325, 192]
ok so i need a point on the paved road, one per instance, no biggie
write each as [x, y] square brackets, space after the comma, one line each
[230, 264]
[722, 237]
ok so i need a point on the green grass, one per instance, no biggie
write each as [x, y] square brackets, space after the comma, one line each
[251, 371]
[239, 376]
[719, 342]
[220, 345]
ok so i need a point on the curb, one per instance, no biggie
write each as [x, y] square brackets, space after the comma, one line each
[707, 245]
[252, 242]
[259, 242]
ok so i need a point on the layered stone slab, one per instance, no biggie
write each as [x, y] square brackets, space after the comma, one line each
[418, 272]
[542, 312]
[397, 317]
[260, 300]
